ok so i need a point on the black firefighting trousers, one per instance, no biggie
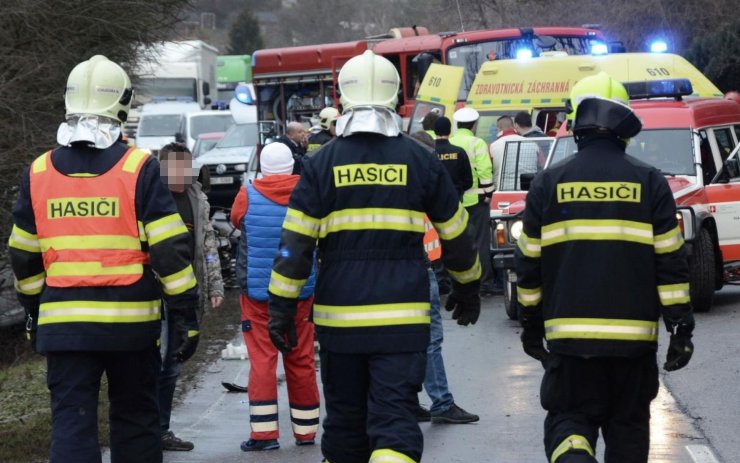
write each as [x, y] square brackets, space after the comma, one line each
[370, 405]
[582, 396]
[74, 381]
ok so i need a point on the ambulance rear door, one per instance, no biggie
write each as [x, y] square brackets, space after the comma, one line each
[438, 92]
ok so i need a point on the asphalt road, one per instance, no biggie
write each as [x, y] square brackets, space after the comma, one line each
[489, 375]
[708, 389]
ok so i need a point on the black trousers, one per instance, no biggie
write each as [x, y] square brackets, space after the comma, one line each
[73, 379]
[370, 401]
[613, 394]
[479, 218]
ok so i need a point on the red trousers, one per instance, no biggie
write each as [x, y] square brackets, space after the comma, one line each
[300, 372]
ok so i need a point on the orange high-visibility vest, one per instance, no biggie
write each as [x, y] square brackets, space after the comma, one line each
[431, 241]
[86, 225]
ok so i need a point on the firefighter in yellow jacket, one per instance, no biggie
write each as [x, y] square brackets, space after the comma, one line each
[92, 225]
[600, 257]
[371, 307]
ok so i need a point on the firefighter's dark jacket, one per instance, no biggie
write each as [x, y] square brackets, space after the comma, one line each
[170, 256]
[362, 199]
[318, 139]
[601, 254]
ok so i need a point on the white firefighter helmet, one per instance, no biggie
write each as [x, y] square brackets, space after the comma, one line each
[327, 116]
[369, 80]
[98, 87]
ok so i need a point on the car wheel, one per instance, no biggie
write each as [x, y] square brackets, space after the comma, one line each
[702, 272]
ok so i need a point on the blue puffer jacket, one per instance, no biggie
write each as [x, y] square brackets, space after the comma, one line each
[263, 223]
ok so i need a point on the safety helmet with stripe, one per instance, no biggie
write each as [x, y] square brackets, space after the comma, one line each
[99, 87]
[369, 80]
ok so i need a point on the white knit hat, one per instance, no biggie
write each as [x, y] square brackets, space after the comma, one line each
[276, 159]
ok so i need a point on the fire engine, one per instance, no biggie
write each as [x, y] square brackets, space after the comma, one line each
[295, 83]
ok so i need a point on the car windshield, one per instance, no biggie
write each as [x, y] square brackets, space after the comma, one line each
[472, 56]
[208, 123]
[670, 150]
[165, 87]
[203, 146]
[159, 125]
[239, 135]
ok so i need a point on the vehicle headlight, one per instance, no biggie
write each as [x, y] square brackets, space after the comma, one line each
[220, 169]
[516, 230]
[240, 167]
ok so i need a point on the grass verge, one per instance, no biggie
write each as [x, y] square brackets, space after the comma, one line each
[25, 415]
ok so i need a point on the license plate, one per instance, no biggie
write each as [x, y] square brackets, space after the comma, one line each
[222, 180]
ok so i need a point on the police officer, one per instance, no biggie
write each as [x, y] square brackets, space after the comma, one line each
[454, 158]
[600, 258]
[92, 224]
[371, 308]
[477, 199]
[328, 123]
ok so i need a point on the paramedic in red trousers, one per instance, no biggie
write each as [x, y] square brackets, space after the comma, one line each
[361, 199]
[92, 225]
[600, 257]
[259, 211]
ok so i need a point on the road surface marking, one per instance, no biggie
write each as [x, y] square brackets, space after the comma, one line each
[701, 454]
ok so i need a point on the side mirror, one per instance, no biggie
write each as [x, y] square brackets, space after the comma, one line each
[179, 137]
[206, 88]
[525, 180]
[207, 101]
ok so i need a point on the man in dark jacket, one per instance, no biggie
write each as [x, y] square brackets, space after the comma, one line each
[295, 139]
[599, 259]
[454, 158]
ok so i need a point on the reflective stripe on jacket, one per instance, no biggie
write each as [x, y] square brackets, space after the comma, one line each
[87, 227]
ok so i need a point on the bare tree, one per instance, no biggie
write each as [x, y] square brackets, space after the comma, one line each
[40, 42]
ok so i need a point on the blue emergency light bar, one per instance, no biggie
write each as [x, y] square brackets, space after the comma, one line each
[599, 48]
[524, 53]
[659, 46]
[669, 88]
[243, 94]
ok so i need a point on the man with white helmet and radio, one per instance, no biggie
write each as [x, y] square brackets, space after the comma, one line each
[92, 225]
[477, 199]
[361, 200]
[328, 123]
[600, 257]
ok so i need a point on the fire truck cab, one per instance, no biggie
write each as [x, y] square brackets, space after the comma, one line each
[295, 83]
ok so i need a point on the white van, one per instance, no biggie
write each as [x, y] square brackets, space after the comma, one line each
[159, 122]
[195, 123]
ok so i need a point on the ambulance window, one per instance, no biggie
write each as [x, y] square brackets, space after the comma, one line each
[737, 133]
[725, 142]
[420, 110]
[707, 160]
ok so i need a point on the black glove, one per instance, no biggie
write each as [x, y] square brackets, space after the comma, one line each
[464, 302]
[533, 343]
[680, 348]
[282, 326]
[187, 334]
